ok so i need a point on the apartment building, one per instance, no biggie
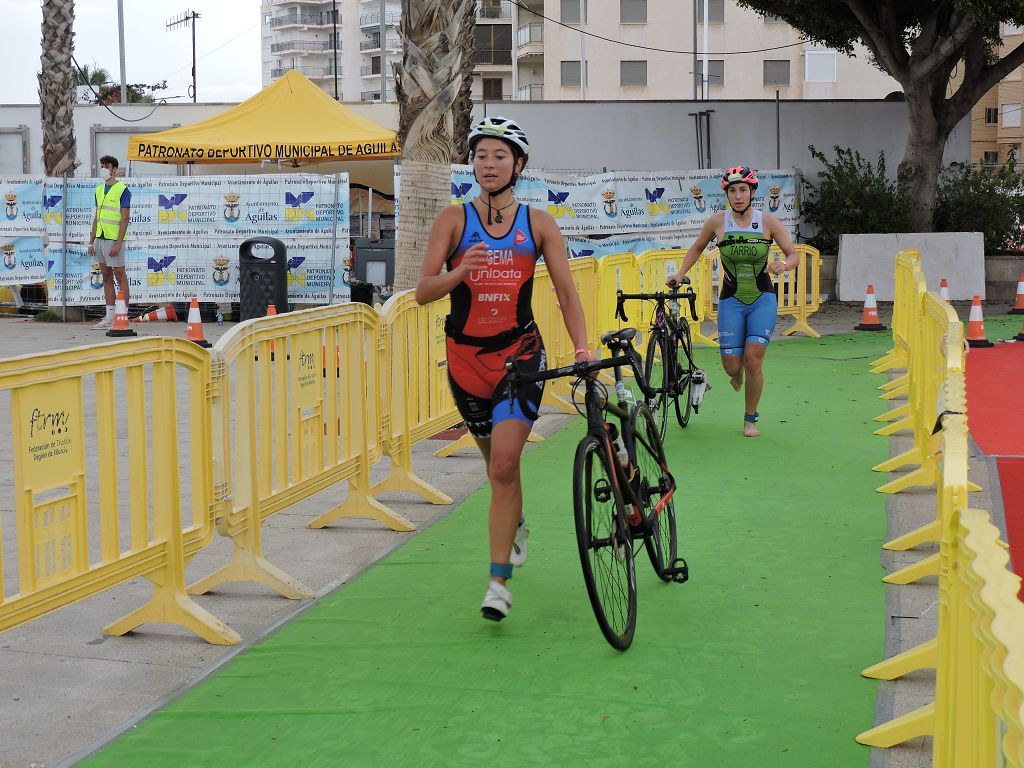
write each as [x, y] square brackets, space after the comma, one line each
[569, 50]
[996, 126]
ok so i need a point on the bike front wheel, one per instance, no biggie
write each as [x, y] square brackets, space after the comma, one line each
[683, 357]
[656, 491]
[658, 372]
[604, 541]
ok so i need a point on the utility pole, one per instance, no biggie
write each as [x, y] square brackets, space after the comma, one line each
[383, 54]
[334, 44]
[120, 33]
[188, 18]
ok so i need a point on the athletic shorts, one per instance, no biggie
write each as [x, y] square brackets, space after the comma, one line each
[103, 256]
[740, 324]
[480, 383]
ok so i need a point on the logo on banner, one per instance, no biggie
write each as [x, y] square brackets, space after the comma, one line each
[49, 216]
[171, 208]
[611, 208]
[520, 238]
[11, 206]
[557, 205]
[582, 253]
[459, 192]
[156, 275]
[699, 202]
[96, 276]
[232, 210]
[773, 198]
[655, 205]
[295, 211]
[294, 262]
[221, 271]
[10, 258]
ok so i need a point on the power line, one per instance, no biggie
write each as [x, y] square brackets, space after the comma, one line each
[159, 103]
[214, 50]
[647, 47]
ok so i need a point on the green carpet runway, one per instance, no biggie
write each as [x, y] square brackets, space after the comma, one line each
[753, 663]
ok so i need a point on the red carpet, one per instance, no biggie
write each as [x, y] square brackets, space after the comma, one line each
[995, 379]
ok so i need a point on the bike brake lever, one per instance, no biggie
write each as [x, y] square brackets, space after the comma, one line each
[693, 305]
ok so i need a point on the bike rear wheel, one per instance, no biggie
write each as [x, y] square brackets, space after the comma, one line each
[604, 541]
[683, 364]
[658, 372]
[654, 486]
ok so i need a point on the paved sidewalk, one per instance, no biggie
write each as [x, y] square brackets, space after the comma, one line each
[64, 688]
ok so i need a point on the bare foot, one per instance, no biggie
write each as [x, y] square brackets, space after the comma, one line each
[750, 430]
[737, 381]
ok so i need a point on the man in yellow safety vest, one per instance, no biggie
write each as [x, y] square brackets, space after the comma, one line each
[106, 240]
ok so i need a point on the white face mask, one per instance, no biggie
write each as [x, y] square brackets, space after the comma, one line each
[106, 173]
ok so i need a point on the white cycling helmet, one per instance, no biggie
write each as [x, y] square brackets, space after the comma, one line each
[500, 128]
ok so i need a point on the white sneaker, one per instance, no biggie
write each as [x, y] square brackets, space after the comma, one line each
[105, 324]
[518, 554]
[497, 602]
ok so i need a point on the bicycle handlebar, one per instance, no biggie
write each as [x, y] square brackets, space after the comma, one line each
[620, 310]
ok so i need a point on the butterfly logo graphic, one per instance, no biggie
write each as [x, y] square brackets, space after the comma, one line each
[655, 205]
[295, 211]
[49, 265]
[296, 200]
[582, 253]
[557, 207]
[156, 275]
[49, 201]
[169, 205]
[295, 261]
[159, 265]
[172, 201]
[459, 191]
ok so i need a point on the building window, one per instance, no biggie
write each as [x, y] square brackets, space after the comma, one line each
[991, 115]
[632, 73]
[493, 89]
[716, 11]
[1011, 29]
[632, 11]
[1011, 115]
[375, 65]
[820, 66]
[570, 12]
[716, 72]
[776, 73]
[571, 74]
[494, 44]
[991, 158]
[266, 19]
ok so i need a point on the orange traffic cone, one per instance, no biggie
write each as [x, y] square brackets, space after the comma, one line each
[1018, 307]
[120, 327]
[869, 317]
[164, 314]
[194, 329]
[944, 289]
[976, 326]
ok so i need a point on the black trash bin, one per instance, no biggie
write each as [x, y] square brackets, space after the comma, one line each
[262, 281]
[362, 292]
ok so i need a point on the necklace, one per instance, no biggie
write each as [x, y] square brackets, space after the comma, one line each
[498, 218]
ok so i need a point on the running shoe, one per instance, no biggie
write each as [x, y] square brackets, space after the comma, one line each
[497, 602]
[104, 325]
[518, 555]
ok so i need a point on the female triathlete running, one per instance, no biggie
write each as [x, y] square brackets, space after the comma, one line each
[490, 247]
[747, 305]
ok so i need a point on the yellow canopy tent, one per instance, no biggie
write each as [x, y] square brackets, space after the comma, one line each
[291, 120]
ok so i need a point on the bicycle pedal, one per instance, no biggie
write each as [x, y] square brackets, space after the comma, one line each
[679, 572]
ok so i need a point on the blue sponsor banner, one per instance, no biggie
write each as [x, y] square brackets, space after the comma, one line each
[22, 260]
[22, 212]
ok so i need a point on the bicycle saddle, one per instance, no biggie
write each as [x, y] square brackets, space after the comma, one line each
[621, 335]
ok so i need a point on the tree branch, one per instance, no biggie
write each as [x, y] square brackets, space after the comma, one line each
[893, 58]
[929, 32]
[961, 27]
[984, 78]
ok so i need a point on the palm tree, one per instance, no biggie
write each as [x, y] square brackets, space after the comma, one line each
[85, 75]
[57, 88]
[432, 85]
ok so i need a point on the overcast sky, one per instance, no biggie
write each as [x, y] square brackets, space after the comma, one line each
[227, 46]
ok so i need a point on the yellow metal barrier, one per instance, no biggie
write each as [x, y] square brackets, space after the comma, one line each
[302, 422]
[655, 268]
[977, 718]
[64, 556]
[620, 272]
[418, 396]
[905, 287]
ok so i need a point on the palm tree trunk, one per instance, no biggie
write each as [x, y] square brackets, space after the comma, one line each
[428, 84]
[56, 88]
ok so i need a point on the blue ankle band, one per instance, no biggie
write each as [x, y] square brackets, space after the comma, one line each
[751, 417]
[501, 570]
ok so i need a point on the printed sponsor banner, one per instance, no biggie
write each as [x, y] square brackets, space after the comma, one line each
[207, 269]
[208, 206]
[23, 205]
[24, 260]
[631, 201]
[636, 244]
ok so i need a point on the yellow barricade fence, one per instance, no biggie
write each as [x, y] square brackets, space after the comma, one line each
[902, 317]
[150, 397]
[620, 272]
[416, 391]
[302, 422]
[977, 718]
[655, 268]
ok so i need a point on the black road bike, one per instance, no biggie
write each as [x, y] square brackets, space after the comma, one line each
[622, 488]
[669, 371]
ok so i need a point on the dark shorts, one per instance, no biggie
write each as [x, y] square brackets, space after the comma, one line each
[480, 383]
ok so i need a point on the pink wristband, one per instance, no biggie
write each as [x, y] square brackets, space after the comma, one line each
[582, 351]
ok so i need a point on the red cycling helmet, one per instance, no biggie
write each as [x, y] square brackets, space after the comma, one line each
[740, 174]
